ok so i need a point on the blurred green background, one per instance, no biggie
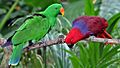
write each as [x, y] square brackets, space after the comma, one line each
[84, 54]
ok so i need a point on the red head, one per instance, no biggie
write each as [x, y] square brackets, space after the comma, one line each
[74, 36]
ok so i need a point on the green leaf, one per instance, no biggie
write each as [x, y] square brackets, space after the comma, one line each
[94, 54]
[73, 10]
[109, 55]
[75, 63]
[72, 1]
[2, 11]
[84, 56]
[110, 62]
[36, 61]
[97, 7]
[113, 21]
[41, 3]
[74, 59]
[106, 49]
[89, 8]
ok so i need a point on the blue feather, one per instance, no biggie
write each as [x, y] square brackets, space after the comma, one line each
[81, 26]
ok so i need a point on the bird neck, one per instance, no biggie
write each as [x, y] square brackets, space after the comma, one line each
[52, 19]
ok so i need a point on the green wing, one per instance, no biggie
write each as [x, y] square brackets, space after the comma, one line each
[33, 29]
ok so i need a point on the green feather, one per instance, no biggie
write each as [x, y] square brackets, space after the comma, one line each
[34, 28]
[15, 57]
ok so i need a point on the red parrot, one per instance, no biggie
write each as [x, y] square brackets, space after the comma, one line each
[85, 26]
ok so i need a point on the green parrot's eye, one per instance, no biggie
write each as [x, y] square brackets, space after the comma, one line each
[56, 8]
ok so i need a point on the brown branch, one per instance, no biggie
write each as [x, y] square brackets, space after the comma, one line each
[2, 41]
[104, 40]
[60, 40]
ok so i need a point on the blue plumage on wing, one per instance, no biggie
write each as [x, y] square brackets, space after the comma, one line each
[80, 24]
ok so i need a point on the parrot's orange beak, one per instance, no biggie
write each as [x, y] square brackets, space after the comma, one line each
[62, 11]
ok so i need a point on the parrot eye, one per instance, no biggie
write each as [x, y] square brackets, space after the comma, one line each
[56, 8]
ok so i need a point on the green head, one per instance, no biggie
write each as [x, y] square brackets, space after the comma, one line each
[54, 10]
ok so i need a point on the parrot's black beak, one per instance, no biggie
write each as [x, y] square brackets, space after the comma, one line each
[70, 45]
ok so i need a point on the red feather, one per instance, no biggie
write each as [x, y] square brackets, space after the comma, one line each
[84, 26]
[105, 35]
[74, 36]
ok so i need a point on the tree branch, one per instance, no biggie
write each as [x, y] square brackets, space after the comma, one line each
[104, 40]
[60, 40]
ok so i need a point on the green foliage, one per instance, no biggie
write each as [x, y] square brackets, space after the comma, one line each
[8, 15]
[113, 22]
[90, 56]
[83, 55]
[41, 3]
[69, 8]
[89, 8]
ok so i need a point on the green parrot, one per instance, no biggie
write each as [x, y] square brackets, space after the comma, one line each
[33, 28]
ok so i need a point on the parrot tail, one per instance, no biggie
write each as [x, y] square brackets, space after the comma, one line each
[105, 35]
[16, 55]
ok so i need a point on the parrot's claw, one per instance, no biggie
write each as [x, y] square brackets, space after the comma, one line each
[42, 42]
[30, 43]
[106, 43]
[45, 44]
[27, 49]
[91, 37]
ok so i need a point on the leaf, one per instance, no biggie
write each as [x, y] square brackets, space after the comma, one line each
[36, 61]
[106, 49]
[72, 1]
[74, 59]
[110, 62]
[94, 53]
[73, 10]
[84, 56]
[74, 63]
[2, 11]
[89, 8]
[97, 7]
[113, 21]
[41, 3]
[109, 55]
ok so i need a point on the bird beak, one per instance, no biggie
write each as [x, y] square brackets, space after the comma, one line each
[62, 11]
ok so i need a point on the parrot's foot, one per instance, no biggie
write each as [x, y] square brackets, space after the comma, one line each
[106, 43]
[60, 39]
[30, 43]
[41, 42]
[91, 37]
[27, 49]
